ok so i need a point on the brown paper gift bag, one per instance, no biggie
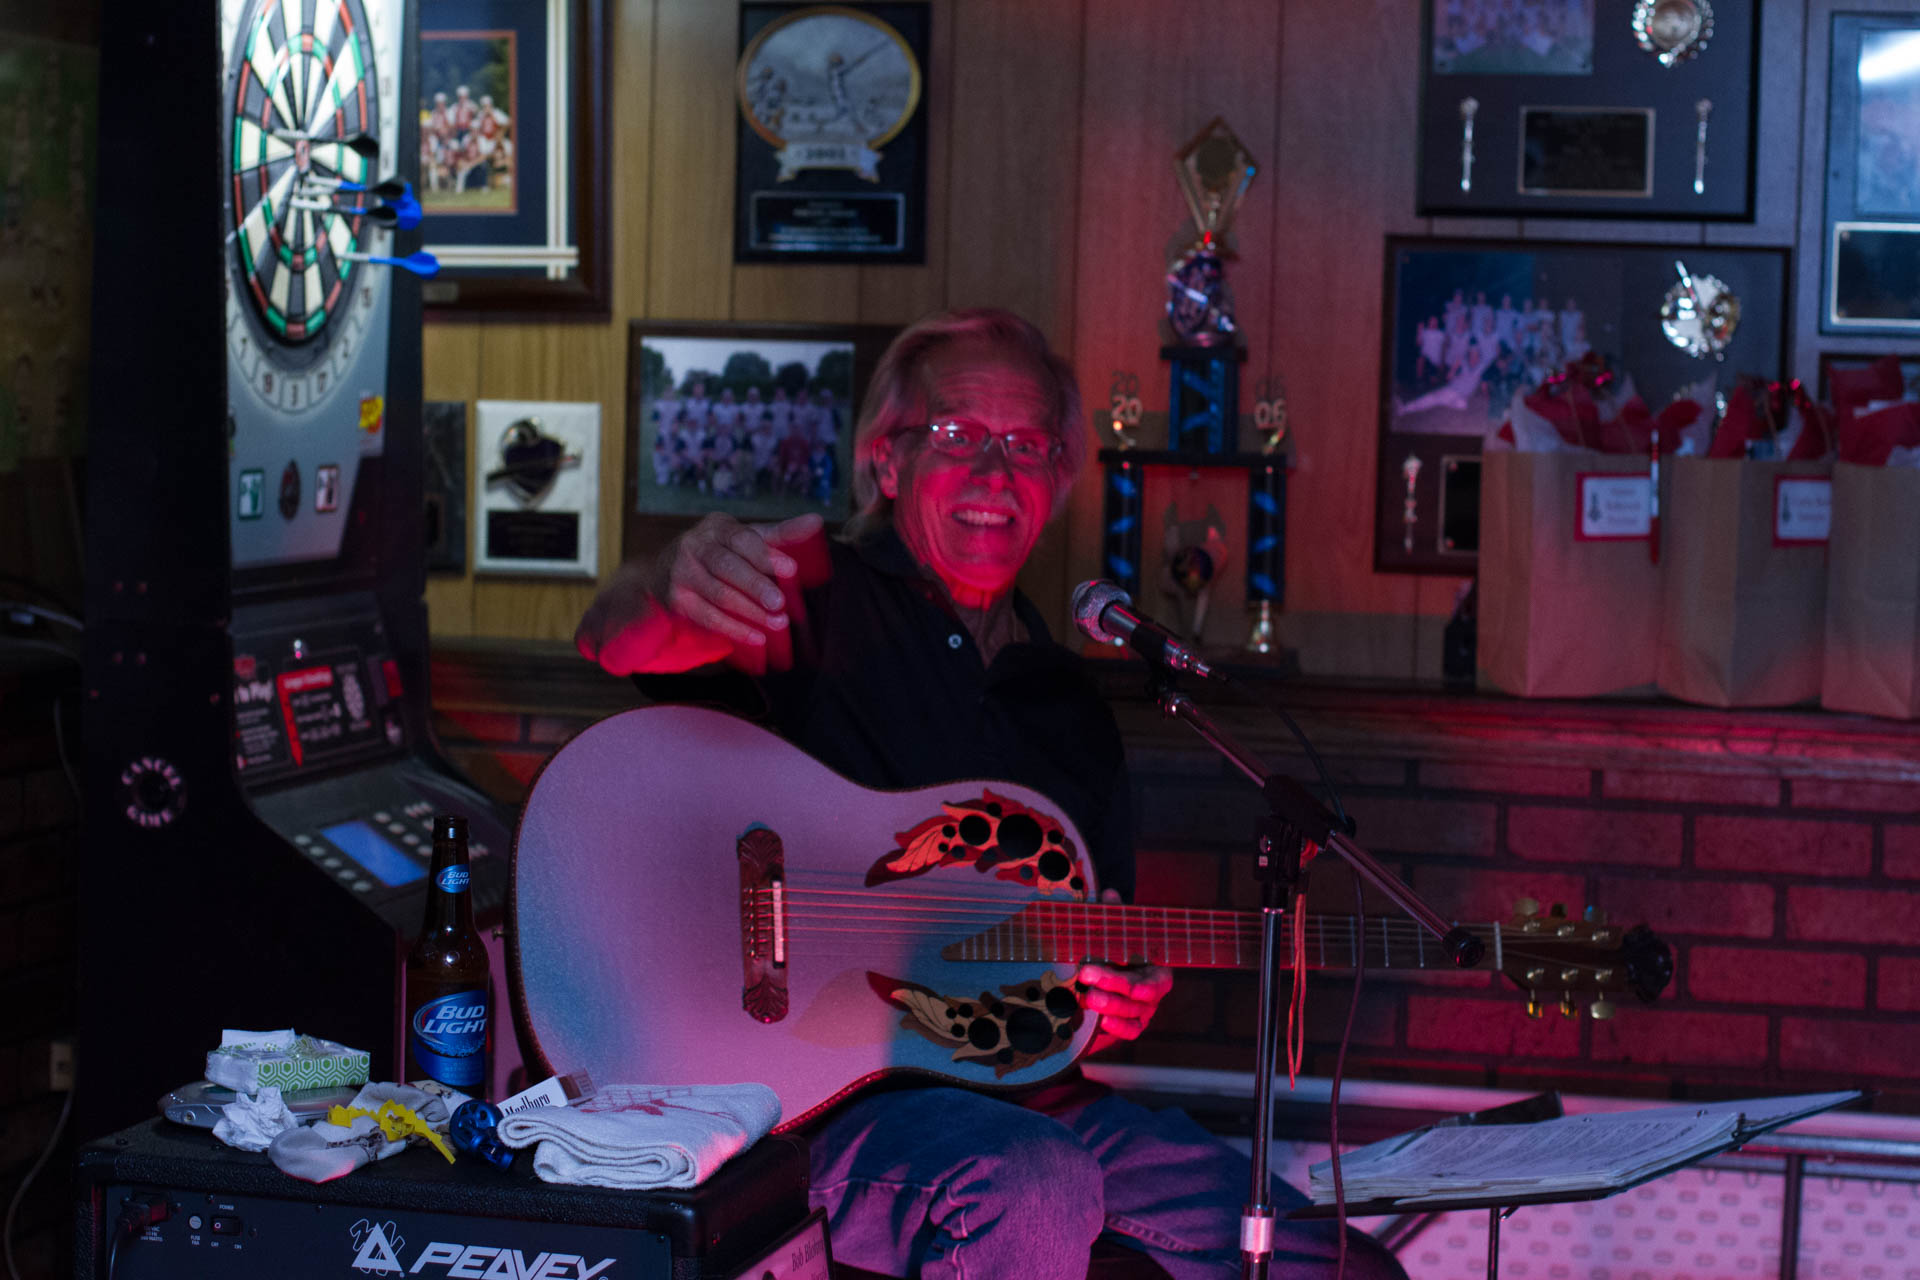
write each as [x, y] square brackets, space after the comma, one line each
[1744, 612]
[1872, 661]
[1560, 617]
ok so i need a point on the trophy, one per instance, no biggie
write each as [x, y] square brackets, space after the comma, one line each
[1203, 414]
[1215, 171]
[1123, 409]
[1193, 555]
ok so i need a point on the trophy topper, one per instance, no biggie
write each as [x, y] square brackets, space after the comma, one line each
[1215, 171]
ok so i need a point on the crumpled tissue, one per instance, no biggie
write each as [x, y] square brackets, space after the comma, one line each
[252, 1121]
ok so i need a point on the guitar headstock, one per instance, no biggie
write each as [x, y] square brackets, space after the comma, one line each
[1553, 956]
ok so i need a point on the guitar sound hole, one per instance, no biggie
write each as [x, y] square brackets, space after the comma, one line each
[1029, 1030]
[1021, 837]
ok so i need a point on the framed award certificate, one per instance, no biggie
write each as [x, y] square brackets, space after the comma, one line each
[1588, 108]
[1871, 275]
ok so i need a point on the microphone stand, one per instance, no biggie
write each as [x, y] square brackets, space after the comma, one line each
[1294, 820]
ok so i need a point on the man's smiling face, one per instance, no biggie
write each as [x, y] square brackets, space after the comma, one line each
[972, 520]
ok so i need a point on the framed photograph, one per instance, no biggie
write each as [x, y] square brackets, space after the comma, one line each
[1871, 278]
[1588, 108]
[513, 157]
[1472, 324]
[753, 420]
[832, 126]
[1499, 38]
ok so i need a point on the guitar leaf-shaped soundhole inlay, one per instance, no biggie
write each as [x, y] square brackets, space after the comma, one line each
[993, 833]
[1026, 1022]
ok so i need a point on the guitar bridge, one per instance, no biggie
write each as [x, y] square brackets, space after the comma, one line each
[763, 924]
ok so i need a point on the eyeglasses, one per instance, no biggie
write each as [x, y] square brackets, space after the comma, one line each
[1029, 448]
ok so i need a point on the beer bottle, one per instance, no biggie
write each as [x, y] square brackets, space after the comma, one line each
[448, 994]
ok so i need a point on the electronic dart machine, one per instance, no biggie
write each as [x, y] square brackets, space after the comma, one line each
[260, 772]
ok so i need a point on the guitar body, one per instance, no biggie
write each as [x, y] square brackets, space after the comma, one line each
[695, 901]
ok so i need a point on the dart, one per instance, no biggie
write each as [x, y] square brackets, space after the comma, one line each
[392, 190]
[422, 264]
[402, 215]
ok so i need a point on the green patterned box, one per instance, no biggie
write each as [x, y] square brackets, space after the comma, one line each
[305, 1063]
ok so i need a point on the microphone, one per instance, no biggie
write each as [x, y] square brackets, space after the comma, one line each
[1104, 613]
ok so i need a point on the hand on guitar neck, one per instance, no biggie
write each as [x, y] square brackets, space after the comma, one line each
[1125, 999]
[721, 592]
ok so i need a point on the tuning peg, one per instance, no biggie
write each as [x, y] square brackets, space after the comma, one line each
[1534, 1008]
[1536, 977]
[1567, 1006]
[1601, 1010]
[1569, 976]
[1595, 915]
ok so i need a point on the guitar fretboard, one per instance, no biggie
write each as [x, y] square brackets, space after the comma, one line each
[1182, 938]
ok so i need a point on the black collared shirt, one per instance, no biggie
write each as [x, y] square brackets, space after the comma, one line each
[888, 688]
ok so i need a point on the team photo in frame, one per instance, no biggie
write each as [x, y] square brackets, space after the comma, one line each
[753, 420]
[512, 103]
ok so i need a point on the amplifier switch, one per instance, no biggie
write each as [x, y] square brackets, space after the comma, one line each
[225, 1225]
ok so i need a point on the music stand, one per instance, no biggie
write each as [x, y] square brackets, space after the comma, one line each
[1546, 1107]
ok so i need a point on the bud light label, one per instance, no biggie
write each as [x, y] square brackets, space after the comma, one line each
[449, 1035]
[454, 879]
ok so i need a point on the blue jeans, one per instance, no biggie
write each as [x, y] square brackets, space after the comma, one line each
[945, 1183]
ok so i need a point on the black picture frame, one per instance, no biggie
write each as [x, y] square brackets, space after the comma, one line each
[1594, 110]
[543, 254]
[659, 502]
[829, 170]
[1437, 405]
[1870, 270]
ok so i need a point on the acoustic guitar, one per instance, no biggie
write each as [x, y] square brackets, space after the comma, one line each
[695, 901]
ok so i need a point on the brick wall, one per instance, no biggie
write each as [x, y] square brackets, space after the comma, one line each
[1778, 853]
[39, 851]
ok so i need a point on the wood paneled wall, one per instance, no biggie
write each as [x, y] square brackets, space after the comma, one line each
[1051, 191]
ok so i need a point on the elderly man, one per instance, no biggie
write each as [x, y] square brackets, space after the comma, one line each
[917, 661]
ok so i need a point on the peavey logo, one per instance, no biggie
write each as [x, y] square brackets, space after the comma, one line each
[379, 1246]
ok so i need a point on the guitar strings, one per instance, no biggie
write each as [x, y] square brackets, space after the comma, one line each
[1004, 923]
[1330, 947]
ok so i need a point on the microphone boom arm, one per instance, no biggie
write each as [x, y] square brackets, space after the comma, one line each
[1294, 805]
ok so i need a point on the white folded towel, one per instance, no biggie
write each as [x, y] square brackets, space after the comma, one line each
[639, 1136]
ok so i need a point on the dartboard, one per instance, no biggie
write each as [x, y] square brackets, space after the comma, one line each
[309, 109]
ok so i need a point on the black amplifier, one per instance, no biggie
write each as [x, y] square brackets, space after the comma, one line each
[163, 1202]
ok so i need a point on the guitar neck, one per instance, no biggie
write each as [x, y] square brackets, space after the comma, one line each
[1183, 938]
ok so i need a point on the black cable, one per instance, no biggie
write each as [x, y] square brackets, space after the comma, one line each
[1339, 1070]
[137, 1213]
[1319, 766]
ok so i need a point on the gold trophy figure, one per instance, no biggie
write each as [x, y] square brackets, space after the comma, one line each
[1214, 171]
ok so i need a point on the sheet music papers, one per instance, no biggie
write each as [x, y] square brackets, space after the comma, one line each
[1572, 1155]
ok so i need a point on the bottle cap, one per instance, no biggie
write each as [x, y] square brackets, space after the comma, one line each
[449, 826]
